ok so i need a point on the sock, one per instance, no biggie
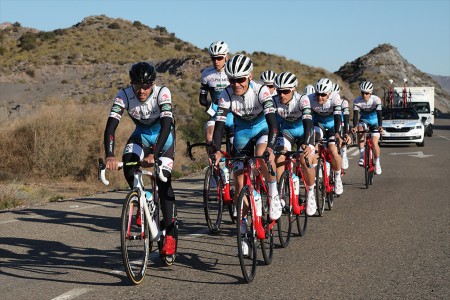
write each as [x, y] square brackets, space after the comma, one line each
[337, 174]
[377, 160]
[344, 151]
[361, 152]
[311, 188]
[273, 190]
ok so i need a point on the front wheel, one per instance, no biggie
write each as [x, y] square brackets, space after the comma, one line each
[302, 218]
[330, 195]
[321, 193]
[267, 244]
[134, 242]
[213, 200]
[246, 237]
[284, 223]
[366, 165]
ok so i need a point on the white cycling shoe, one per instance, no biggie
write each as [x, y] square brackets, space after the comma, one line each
[311, 206]
[275, 208]
[378, 168]
[338, 186]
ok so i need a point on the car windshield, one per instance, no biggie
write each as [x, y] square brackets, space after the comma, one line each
[400, 114]
[422, 107]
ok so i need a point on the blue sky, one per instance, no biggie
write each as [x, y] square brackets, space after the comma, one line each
[320, 33]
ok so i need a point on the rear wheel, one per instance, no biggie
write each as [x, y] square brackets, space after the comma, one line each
[284, 223]
[330, 195]
[135, 245]
[246, 238]
[213, 200]
[302, 219]
[366, 164]
[321, 193]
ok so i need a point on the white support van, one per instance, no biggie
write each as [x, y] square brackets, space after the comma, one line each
[422, 99]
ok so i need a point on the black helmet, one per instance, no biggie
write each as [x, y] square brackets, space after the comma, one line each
[142, 72]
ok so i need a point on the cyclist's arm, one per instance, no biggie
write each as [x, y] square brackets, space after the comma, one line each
[308, 128]
[220, 119]
[271, 120]
[355, 118]
[203, 97]
[115, 115]
[346, 124]
[165, 118]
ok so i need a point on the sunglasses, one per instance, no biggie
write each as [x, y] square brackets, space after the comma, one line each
[237, 80]
[270, 86]
[285, 92]
[217, 58]
[138, 86]
[364, 93]
[321, 94]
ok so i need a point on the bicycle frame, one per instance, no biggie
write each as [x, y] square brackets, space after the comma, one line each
[259, 185]
[326, 157]
[296, 207]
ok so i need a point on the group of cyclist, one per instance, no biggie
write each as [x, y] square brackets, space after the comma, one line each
[259, 119]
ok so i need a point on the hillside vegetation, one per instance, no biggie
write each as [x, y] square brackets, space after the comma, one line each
[57, 90]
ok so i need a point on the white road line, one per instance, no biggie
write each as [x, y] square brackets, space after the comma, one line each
[72, 294]
[444, 137]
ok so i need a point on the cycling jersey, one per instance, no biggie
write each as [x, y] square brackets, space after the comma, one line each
[370, 111]
[213, 82]
[294, 118]
[254, 117]
[153, 119]
[328, 114]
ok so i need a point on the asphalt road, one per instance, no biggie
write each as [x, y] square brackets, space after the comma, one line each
[388, 242]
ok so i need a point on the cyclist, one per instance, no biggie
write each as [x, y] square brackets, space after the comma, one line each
[371, 118]
[267, 78]
[326, 108]
[150, 108]
[345, 115]
[255, 125]
[213, 81]
[309, 89]
[295, 119]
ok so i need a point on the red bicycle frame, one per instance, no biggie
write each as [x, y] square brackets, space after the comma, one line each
[296, 207]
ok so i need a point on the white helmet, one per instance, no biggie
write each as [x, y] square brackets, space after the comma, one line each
[218, 48]
[366, 87]
[285, 80]
[336, 88]
[309, 89]
[238, 66]
[324, 86]
[268, 76]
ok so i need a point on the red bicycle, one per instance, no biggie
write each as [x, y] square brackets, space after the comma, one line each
[217, 191]
[324, 177]
[256, 223]
[294, 196]
[369, 165]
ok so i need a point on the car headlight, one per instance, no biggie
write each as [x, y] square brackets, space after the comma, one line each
[418, 127]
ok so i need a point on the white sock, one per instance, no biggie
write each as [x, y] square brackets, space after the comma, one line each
[361, 152]
[273, 190]
[344, 151]
[377, 160]
[338, 174]
[311, 189]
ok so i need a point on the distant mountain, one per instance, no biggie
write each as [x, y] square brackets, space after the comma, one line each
[444, 81]
[385, 62]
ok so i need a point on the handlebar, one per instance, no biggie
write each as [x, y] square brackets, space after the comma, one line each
[190, 147]
[102, 170]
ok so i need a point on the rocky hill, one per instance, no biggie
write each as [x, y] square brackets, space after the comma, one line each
[385, 62]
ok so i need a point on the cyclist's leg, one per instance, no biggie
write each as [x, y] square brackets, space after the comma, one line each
[376, 151]
[282, 144]
[336, 162]
[136, 149]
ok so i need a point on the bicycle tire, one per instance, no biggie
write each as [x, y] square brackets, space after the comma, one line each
[266, 244]
[247, 262]
[213, 202]
[135, 247]
[302, 219]
[330, 195]
[232, 206]
[284, 223]
[320, 187]
[366, 164]
[371, 168]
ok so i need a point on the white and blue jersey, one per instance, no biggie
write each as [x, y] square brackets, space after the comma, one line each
[325, 113]
[369, 111]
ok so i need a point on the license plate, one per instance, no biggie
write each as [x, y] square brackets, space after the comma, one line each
[398, 134]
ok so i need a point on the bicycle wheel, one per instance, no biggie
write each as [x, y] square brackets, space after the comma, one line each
[302, 219]
[232, 206]
[284, 223]
[330, 195]
[213, 201]
[246, 238]
[321, 193]
[371, 168]
[134, 245]
[366, 164]
[267, 244]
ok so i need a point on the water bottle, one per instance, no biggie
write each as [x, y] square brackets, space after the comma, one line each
[154, 232]
[296, 182]
[225, 175]
[258, 203]
[328, 169]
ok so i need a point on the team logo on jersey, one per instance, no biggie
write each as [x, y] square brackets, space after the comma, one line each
[165, 97]
[221, 101]
[266, 94]
[118, 101]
